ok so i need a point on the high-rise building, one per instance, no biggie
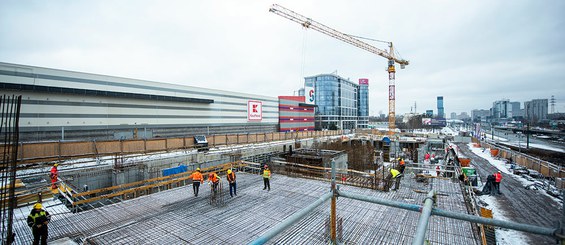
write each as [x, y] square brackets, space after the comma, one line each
[337, 100]
[536, 110]
[363, 100]
[479, 115]
[501, 109]
[440, 112]
[453, 115]
[516, 111]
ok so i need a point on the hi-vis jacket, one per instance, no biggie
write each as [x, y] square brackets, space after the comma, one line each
[267, 174]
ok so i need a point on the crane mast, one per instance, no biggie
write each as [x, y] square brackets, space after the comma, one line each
[312, 24]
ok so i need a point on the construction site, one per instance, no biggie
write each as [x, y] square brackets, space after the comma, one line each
[147, 198]
[134, 182]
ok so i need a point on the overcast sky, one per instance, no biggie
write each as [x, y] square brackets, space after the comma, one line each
[470, 52]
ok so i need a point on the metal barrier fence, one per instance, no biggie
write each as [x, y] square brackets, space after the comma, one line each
[62, 150]
[546, 168]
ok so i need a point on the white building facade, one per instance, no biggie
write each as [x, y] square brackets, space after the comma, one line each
[58, 104]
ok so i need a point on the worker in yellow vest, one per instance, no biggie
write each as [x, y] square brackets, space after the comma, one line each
[38, 220]
[231, 181]
[266, 178]
[396, 175]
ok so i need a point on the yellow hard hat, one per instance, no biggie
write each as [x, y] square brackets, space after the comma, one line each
[229, 171]
[56, 164]
[197, 169]
[38, 206]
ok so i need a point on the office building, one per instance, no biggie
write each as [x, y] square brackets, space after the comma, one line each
[295, 114]
[536, 110]
[363, 99]
[440, 112]
[338, 101]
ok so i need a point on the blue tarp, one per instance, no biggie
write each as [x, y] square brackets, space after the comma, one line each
[175, 170]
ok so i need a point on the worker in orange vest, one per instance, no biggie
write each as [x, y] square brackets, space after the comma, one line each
[231, 180]
[214, 180]
[197, 178]
[402, 166]
[54, 173]
[497, 180]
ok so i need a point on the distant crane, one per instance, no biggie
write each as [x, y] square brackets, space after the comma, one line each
[312, 24]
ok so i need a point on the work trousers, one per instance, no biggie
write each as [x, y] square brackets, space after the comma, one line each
[233, 187]
[497, 188]
[266, 183]
[40, 234]
[195, 187]
[396, 183]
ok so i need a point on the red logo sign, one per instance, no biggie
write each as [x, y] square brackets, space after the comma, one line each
[254, 110]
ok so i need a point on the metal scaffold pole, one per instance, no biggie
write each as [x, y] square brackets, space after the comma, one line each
[333, 207]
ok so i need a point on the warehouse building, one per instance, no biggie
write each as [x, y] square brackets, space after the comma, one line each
[68, 105]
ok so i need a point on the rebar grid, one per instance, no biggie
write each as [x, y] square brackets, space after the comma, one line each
[177, 217]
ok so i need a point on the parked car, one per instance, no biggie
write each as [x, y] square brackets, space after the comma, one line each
[535, 174]
[520, 170]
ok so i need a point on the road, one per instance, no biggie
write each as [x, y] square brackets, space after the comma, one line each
[521, 205]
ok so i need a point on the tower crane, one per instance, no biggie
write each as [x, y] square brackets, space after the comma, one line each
[390, 54]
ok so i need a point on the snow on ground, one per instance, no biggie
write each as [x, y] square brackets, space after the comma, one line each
[503, 236]
[505, 168]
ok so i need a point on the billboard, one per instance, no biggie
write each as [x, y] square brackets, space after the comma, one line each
[254, 110]
[434, 122]
[310, 95]
[363, 81]
[426, 121]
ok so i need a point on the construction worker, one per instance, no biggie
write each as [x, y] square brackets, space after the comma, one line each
[38, 220]
[214, 180]
[402, 166]
[266, 178]
[396, 175]
[197, 178]
[231, 180]
[427, 157]
[54, 173]
[497, 180]
[438, 171]
[392, 174]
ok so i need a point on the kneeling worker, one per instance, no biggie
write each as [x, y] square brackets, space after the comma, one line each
[214, 181]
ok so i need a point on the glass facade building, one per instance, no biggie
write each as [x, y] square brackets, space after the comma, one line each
[363, 99]
[440, 112]
[338, 102]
